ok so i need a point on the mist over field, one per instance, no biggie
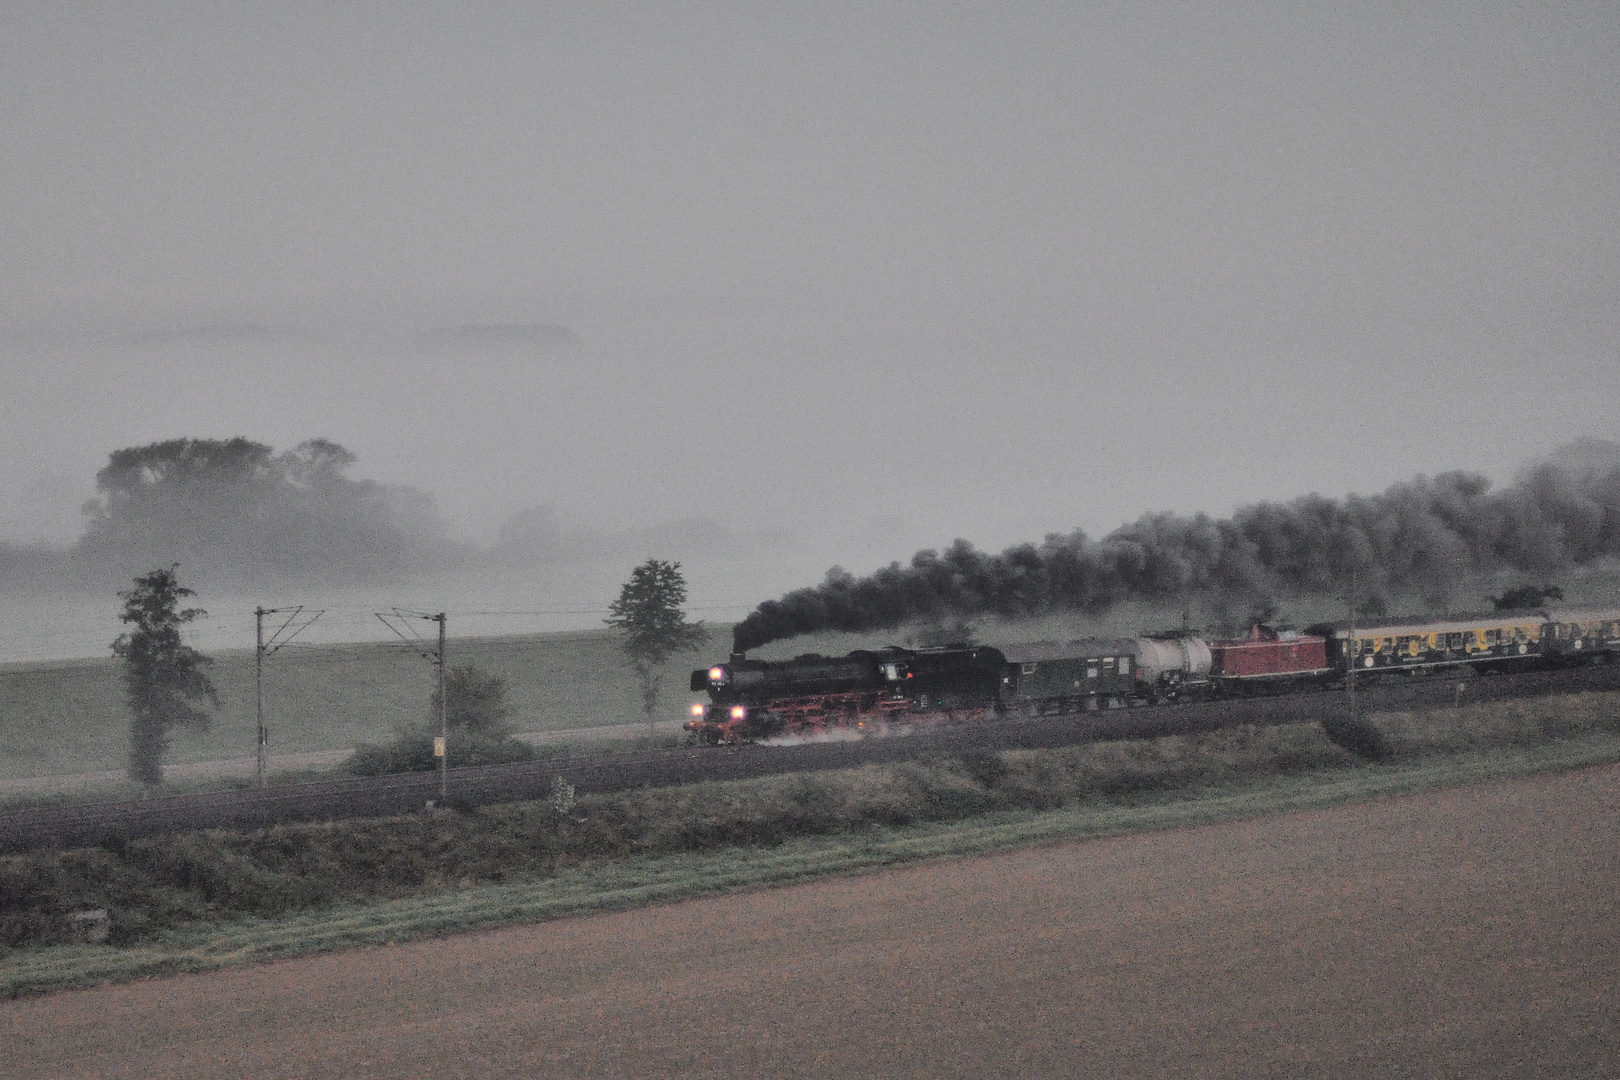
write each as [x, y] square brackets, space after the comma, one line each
[239, 515]
[251, 526]
[777, 289]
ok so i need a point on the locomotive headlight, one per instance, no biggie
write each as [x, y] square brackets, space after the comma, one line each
[717, 674]
[698, 710]
[738, 712]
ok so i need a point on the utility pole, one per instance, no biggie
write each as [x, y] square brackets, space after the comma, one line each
[258, 687]
[443, 748]
[261, 649]
[441, 744]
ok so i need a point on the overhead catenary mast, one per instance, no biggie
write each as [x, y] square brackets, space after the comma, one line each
[261, 649]
[441, 749]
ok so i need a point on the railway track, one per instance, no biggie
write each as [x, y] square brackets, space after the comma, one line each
[91, 823]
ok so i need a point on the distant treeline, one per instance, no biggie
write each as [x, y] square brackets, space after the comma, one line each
[1415, 539]
[234, 511]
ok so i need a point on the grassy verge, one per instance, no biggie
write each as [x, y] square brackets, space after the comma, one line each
[212, 899]
[124, 791]
[94, 793]
[64, 717]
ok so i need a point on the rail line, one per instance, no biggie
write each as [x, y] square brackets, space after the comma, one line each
[91, 823]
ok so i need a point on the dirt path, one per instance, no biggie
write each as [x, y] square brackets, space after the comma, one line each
[1469, 933]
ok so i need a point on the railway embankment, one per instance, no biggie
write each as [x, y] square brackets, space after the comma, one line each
[315, 885]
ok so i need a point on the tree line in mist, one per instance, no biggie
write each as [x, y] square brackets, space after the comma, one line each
[1416, 539]
[233, 511]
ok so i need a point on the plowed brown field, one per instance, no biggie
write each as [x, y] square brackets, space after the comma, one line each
[1473, 932]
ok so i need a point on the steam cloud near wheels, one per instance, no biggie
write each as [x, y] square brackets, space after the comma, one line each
[1416, 538]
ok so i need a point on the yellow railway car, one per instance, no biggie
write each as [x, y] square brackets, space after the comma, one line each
[1501, 640]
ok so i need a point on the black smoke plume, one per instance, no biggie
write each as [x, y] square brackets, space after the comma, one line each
[1416, 538]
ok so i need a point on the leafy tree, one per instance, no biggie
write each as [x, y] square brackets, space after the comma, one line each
[164, 679]
[475, 715]
[235, 510]
[651, 625]
[474, 701]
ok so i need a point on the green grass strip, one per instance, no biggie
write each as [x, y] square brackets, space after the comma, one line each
[636, 882]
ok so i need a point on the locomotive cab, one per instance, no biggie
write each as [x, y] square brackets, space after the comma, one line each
[710, 678]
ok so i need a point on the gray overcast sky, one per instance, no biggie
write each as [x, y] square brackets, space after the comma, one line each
[877, 275]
